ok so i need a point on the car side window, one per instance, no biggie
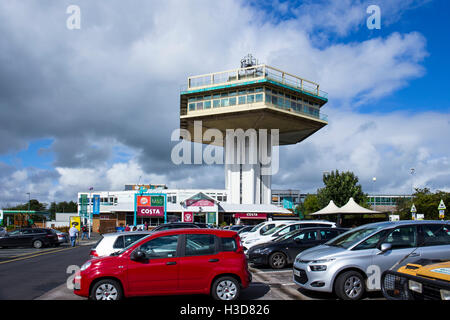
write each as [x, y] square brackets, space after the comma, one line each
[307, 236]
[162, 247]
[27, 231]
[118, 244]
[200, 244]
[129, 239]
[328, 234]
[435, 235]
[402, 237]
[372, 242]
[14, 233]
[266, 228]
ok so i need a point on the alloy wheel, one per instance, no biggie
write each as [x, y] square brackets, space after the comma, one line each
[353, 287]
[226, 290]
[106, 292]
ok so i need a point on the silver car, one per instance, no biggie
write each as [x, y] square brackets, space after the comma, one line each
[353, 262]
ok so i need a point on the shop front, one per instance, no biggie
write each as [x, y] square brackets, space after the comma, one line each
[200, 208]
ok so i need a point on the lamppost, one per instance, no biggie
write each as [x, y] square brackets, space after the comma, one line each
[29, 205]
[374, 179]
[413, 171]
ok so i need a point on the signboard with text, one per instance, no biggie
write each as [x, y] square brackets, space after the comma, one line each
[150, 206]
[199, 203]
[96, 204]
[83, 205]
[251, 215]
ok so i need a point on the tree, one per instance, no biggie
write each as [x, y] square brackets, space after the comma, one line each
[425, 202]
[340, 187]
[311, 204]
[34, 205]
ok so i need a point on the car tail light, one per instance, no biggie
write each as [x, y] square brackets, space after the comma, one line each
[93, 253]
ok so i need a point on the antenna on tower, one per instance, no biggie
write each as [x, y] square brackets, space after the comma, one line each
[248, 61]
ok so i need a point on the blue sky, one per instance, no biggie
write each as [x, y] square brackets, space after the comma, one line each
[97, 106]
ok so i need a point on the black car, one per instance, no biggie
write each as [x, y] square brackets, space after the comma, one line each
[30, 237]
[179, 225]
[245, 229]
[282, 251]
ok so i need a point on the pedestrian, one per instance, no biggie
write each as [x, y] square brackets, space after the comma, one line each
[73, 234]
[85, 232]
[127, 228]
[146, 225]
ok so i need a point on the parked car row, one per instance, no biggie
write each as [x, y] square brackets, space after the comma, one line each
[211, 261]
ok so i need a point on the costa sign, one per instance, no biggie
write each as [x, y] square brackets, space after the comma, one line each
[150, 206]
[251, 215]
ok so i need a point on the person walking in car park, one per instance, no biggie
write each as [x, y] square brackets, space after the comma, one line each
[146, 225]
[85, 231]
[127, 228]
[73, 234]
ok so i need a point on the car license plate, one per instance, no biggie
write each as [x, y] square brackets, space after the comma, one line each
[297, 273]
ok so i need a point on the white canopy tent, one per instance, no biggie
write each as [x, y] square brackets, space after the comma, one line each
[351, 207]
[331, 208]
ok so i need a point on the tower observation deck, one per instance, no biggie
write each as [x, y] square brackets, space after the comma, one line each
[255, 96]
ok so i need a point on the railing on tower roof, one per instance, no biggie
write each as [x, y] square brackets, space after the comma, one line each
[252, 74]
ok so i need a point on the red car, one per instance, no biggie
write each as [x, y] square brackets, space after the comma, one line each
[172, 262]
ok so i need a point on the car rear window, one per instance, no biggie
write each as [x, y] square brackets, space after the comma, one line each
[228, 244]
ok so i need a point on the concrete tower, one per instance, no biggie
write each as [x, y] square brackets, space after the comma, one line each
[270, 106]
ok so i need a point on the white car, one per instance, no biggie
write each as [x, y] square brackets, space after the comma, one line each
[282, 229]
[263, 227]
[115, 242]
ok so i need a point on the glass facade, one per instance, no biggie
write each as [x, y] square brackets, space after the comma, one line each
[386, 200]
[276, 98]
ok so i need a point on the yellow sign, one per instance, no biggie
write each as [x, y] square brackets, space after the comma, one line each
[77, 221]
